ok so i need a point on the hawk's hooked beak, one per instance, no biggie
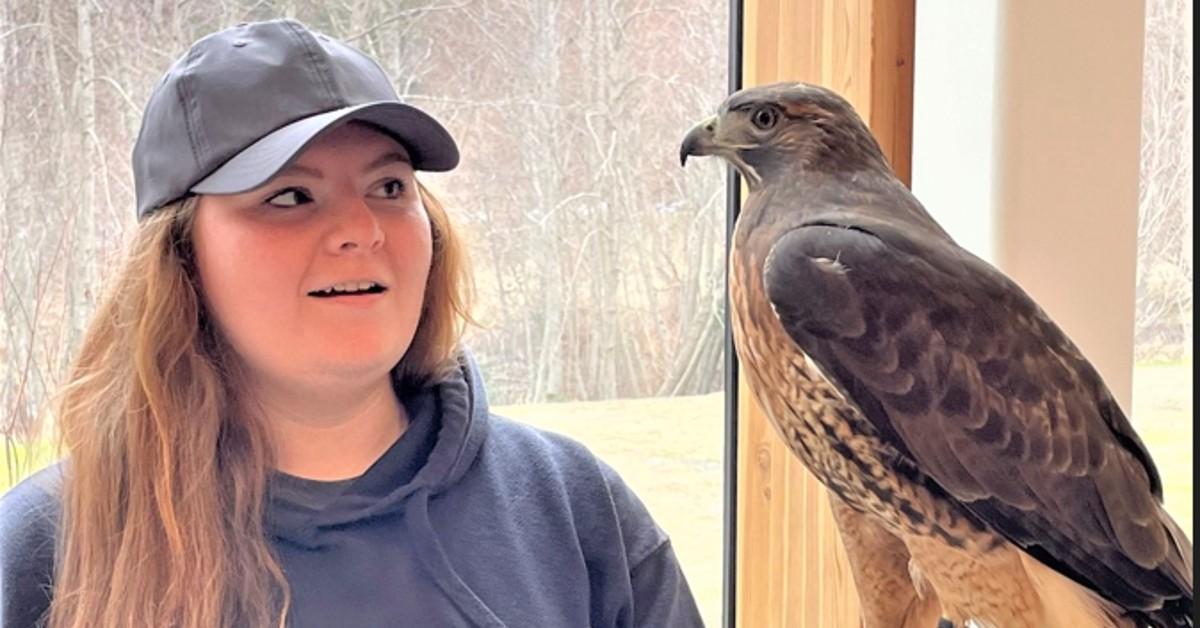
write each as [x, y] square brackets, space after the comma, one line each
[702, 140]
[699, 141]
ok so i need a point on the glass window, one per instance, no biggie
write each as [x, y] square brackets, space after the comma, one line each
[598, 260]
[1162, 374]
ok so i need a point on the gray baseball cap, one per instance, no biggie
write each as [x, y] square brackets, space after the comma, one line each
[245, 101]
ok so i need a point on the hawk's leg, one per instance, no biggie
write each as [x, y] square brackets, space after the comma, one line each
[879, 562]
[988, 585]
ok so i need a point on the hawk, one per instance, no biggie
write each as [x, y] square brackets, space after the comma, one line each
[978, 467]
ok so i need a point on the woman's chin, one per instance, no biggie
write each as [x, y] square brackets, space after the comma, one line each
[353, 364]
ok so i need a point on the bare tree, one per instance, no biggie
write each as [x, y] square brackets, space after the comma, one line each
[598, 260]
[82, 269]
[1165, 278]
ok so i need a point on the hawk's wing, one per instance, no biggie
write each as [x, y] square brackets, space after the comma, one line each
[962, 371]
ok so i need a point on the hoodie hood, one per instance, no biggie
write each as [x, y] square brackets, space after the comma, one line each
[460, 415]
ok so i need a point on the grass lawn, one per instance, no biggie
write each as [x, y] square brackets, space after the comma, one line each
[670, 451]
[1162, 415]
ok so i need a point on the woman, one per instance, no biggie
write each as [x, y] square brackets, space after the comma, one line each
[269, 422]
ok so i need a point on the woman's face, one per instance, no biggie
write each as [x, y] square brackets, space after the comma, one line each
[319, 274]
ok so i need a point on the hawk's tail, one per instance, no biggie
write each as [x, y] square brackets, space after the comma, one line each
[1175, 613]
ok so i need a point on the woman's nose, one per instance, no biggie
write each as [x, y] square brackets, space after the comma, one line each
[355, 226]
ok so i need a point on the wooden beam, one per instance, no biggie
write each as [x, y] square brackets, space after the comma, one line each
[791, 567]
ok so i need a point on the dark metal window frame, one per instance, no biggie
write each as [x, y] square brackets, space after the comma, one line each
[733, 205]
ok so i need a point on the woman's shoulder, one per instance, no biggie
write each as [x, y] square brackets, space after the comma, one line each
[543, 450]
[521, 444]
[596, 490]
[29, 515]
[33, 503]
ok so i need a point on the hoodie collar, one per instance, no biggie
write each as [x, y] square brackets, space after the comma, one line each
[460, 407]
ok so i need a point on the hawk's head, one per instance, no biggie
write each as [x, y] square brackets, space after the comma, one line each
[786, 128]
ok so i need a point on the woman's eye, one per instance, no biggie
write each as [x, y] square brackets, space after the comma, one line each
[290, 197]
[392, 188]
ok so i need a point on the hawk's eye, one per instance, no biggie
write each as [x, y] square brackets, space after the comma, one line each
[764, 117]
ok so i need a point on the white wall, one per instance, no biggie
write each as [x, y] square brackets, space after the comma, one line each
[954, 111]
[1026, 147]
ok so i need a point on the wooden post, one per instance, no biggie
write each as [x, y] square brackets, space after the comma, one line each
[791, 568]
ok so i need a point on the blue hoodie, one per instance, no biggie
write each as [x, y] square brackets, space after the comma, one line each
[469, 520]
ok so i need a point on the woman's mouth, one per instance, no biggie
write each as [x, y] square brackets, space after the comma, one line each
[349, 289]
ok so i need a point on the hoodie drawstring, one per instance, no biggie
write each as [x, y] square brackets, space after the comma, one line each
[435, 561]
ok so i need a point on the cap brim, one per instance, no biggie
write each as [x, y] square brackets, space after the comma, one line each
[428, 143]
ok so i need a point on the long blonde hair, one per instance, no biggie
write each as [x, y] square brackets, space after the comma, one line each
[165, 480]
